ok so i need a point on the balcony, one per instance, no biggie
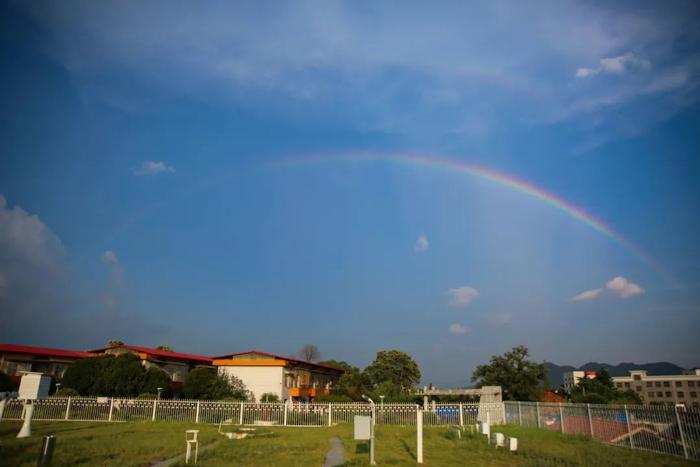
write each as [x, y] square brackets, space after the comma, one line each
[307, 391]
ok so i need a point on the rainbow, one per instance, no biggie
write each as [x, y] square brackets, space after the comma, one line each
[500, 178]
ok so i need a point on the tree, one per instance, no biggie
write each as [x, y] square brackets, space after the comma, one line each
[155, 378]
[394, 366]
[309, 353]
[340, 364]
[351, 385]
[166, 348]
[114, 343]
[202, 383]
[519, 378]
[601, 390]
[269, 397]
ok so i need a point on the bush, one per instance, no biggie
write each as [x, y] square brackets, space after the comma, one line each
[333, 398]
[202, 383]
[66, 392]
[269, 397]
[147, 395]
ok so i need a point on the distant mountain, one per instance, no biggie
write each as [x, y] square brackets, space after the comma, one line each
[556, 372]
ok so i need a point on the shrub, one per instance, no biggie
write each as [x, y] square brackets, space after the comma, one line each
[147, 395]
[269, 397]
[66, 392]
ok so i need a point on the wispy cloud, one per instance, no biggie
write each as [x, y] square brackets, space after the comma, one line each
[615, 65]
[618, 287]
[462, 296]
[422, 243]
[153, 168]
[458, 329]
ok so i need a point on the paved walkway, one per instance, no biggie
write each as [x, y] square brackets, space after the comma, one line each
[336, 454]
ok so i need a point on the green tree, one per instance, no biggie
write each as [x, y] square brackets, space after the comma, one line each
[156, 378]
[202, 383]
[6, 383]
[340, 364]
[269, 397]
[351, 385]
[309, 353]
[166, 348]
[114, 343]
[519, 378]
[601, 390]
[394, 366]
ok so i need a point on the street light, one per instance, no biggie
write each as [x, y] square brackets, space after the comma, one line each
[159, 391]
[382, 401]
[371, 429]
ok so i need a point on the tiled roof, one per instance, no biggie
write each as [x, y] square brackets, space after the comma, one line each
[278, 357]
[159, 353]
[43, 351]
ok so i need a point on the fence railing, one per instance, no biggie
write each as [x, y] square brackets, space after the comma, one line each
[106, 409]
[663, 429]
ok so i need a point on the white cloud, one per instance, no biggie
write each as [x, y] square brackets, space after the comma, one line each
[618, 287]
[422, 243]
[462, 296]
[153, 168]
[458, 329]
[109, 257]
[615, 65]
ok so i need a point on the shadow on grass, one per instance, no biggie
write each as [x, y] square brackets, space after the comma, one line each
[407, 448]
[362, 448]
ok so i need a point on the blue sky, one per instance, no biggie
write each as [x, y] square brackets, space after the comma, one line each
[157, 187]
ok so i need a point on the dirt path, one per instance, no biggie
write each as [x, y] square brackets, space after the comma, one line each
[336, 454]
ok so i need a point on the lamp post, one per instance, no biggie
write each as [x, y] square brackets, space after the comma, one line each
[371, 429]
[382, 401]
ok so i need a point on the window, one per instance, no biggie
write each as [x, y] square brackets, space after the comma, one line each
[650, 393]
[638, 388]
[668, 393]
[693, 394]
[619, 385]
[637, 378]
[657, 384]
[627, 385]
[659, 394]
[648, 384]
[680, 394]
[691, 384]
[667, 384]
[679, 384]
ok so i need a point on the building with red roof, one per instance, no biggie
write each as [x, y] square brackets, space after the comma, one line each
[287, 377]
[14, 359]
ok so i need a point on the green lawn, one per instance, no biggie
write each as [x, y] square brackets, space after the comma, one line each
[143, 443]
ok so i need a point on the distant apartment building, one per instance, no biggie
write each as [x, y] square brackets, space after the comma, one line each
[14, 359]
[662, 390]
[175, 364]
[286, 377]
[571, 378]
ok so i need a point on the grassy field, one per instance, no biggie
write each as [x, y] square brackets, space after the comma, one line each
[141, 444]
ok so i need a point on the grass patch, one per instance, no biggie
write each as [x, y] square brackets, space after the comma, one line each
[143, 443]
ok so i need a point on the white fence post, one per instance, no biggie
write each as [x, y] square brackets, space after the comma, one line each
[520, 414]
[196, 416]
[155, 404]
[590, 419]
[561, 417]
[629, 431]
[537, 407]
[285, 413]
[461, 414]
[111, 409]
[419, 436]
[330, 416]
[240, 422]
[67, 409]
[680, 428]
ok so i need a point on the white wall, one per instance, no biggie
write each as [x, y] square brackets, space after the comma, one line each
[258, 379]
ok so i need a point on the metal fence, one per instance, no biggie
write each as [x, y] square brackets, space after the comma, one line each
[105, 409]
[663, 429]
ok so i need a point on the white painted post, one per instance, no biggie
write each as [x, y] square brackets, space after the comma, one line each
[111, 409]
[590, 419]
[67, 409]
[680, 428]
[419, 437]
[629, 431]
[561, 417]
[520, 414]
[461, 414]
[196, 416]
[155, 404]
[330, 415]
[285, 413]
[537, 406]
[240, 422]
[3, 402]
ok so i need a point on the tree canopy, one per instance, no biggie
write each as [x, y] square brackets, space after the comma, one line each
[309, 353]
[601, 390]
[394, 366]
[110, 375]
[519, 378]
[203, 383]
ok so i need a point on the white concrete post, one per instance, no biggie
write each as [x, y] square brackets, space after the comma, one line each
[461, 414]
[285, 413]
[240, 422]
[155, 404]
[680, 428]
[67, 409]
[111, 408]
[561, 417]
[419, 437]
[330, 415]
[26, 430]
[196, 415]
[371, 435]
[629, 430]
[590, 419]
[520, 414]
[537, 407]
[3, 402]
